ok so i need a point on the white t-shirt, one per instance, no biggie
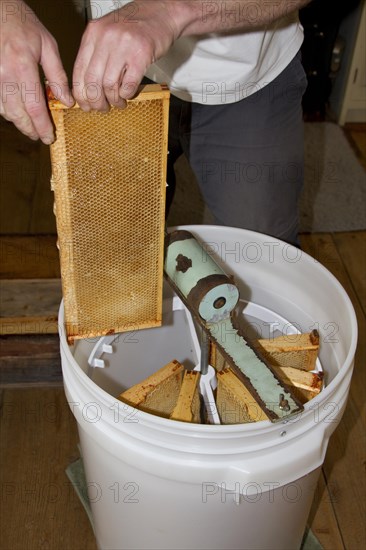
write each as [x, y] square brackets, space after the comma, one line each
[222, 68]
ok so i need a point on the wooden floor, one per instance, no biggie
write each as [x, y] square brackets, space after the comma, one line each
[39, 508]
[356, 134]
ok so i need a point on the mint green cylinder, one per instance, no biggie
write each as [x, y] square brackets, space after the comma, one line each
[205, 287]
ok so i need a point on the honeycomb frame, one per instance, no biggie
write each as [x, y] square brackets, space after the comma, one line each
[109, 182]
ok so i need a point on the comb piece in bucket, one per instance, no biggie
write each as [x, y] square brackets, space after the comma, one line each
[304, 384]
[158, 393]
[234, 403]
[299, 351]
[187, 408]
[109, 179]
[216, 359]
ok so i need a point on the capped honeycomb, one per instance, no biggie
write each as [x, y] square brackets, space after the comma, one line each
[109, 178]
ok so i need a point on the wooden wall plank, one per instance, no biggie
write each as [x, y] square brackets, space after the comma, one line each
[30, 297]
[29, 257]
[29, 344]
[28, 325]
[30, 360]
[20, 172]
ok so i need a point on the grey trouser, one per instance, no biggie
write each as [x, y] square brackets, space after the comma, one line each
[247, 156]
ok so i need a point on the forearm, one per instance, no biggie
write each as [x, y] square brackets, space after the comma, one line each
[194, 17]
[117, 49]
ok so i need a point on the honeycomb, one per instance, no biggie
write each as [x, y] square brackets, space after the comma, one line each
[299, 359]
[109, 178]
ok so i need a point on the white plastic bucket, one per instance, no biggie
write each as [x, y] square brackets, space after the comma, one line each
[155, 483]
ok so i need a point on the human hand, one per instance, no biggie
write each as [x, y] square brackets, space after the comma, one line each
[117, 49]
[25, 43]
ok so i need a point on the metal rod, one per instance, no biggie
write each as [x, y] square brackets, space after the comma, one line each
[205, 350]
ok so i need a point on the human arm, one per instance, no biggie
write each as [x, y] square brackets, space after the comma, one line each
[117, 49]
[25, 44]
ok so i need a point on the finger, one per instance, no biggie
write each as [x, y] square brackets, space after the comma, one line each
[25, 125]
[34, 104]
[112, 80]
[132, 78]
[55, 73]
[81, 63]
[12, 109]
[88, 74]
[16, 114]
[93, 81]
[129, 86]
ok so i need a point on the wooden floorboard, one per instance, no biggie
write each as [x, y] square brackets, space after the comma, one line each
[39, 507]
[352, 250]
[344, 464]
[356, 135]
[323, 520]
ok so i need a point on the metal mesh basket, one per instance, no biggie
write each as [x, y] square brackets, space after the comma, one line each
[108, 178]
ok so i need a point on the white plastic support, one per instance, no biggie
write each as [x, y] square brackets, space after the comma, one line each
[104, 345]
[208, 383]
